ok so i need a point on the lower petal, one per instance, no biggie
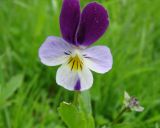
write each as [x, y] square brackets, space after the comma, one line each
[98, 58]
[74, 80]
[86, 79]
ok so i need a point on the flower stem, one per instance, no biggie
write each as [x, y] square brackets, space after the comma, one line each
[76, 98]
[119, 115]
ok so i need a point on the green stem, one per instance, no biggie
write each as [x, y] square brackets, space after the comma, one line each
[76, 98]
[7, 118]
[119, 115]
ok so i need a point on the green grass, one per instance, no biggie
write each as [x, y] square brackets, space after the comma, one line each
[133, 37]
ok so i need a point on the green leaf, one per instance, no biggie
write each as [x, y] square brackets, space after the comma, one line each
[74, 117]
[14, 83]
[100, 120]
[8, 90]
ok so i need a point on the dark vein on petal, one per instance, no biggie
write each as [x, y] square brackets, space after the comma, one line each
[72, 65]
[77, 65]
[66, 53]
[70, 60]
[87, 57]
[80, 66]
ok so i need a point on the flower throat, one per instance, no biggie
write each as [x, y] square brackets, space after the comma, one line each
[75, 63]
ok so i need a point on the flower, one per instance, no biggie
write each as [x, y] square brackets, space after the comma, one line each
[79, 30]
[132, 103]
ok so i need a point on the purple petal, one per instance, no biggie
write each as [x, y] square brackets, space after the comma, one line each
[98, 58]
[93, 24]
[53, 51]
[69, 19]
[77, 87]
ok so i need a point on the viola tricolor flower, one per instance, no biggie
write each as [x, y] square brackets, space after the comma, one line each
[79, 30]
[132, 103]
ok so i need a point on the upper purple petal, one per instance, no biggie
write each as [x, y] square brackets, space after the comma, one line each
[94, 22]
[69, 19]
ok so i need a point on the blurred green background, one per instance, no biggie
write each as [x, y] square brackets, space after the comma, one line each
[29, 96]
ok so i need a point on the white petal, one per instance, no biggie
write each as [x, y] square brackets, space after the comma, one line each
[126, 99]
[68, 78]
[86, 79]
[98, 58]
[137, 108]
[51, 52]
[126, 96]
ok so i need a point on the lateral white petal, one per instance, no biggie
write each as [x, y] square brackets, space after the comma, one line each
[51, 52]
[98, 58]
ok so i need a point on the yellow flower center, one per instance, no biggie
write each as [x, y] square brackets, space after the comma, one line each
[75, 63]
